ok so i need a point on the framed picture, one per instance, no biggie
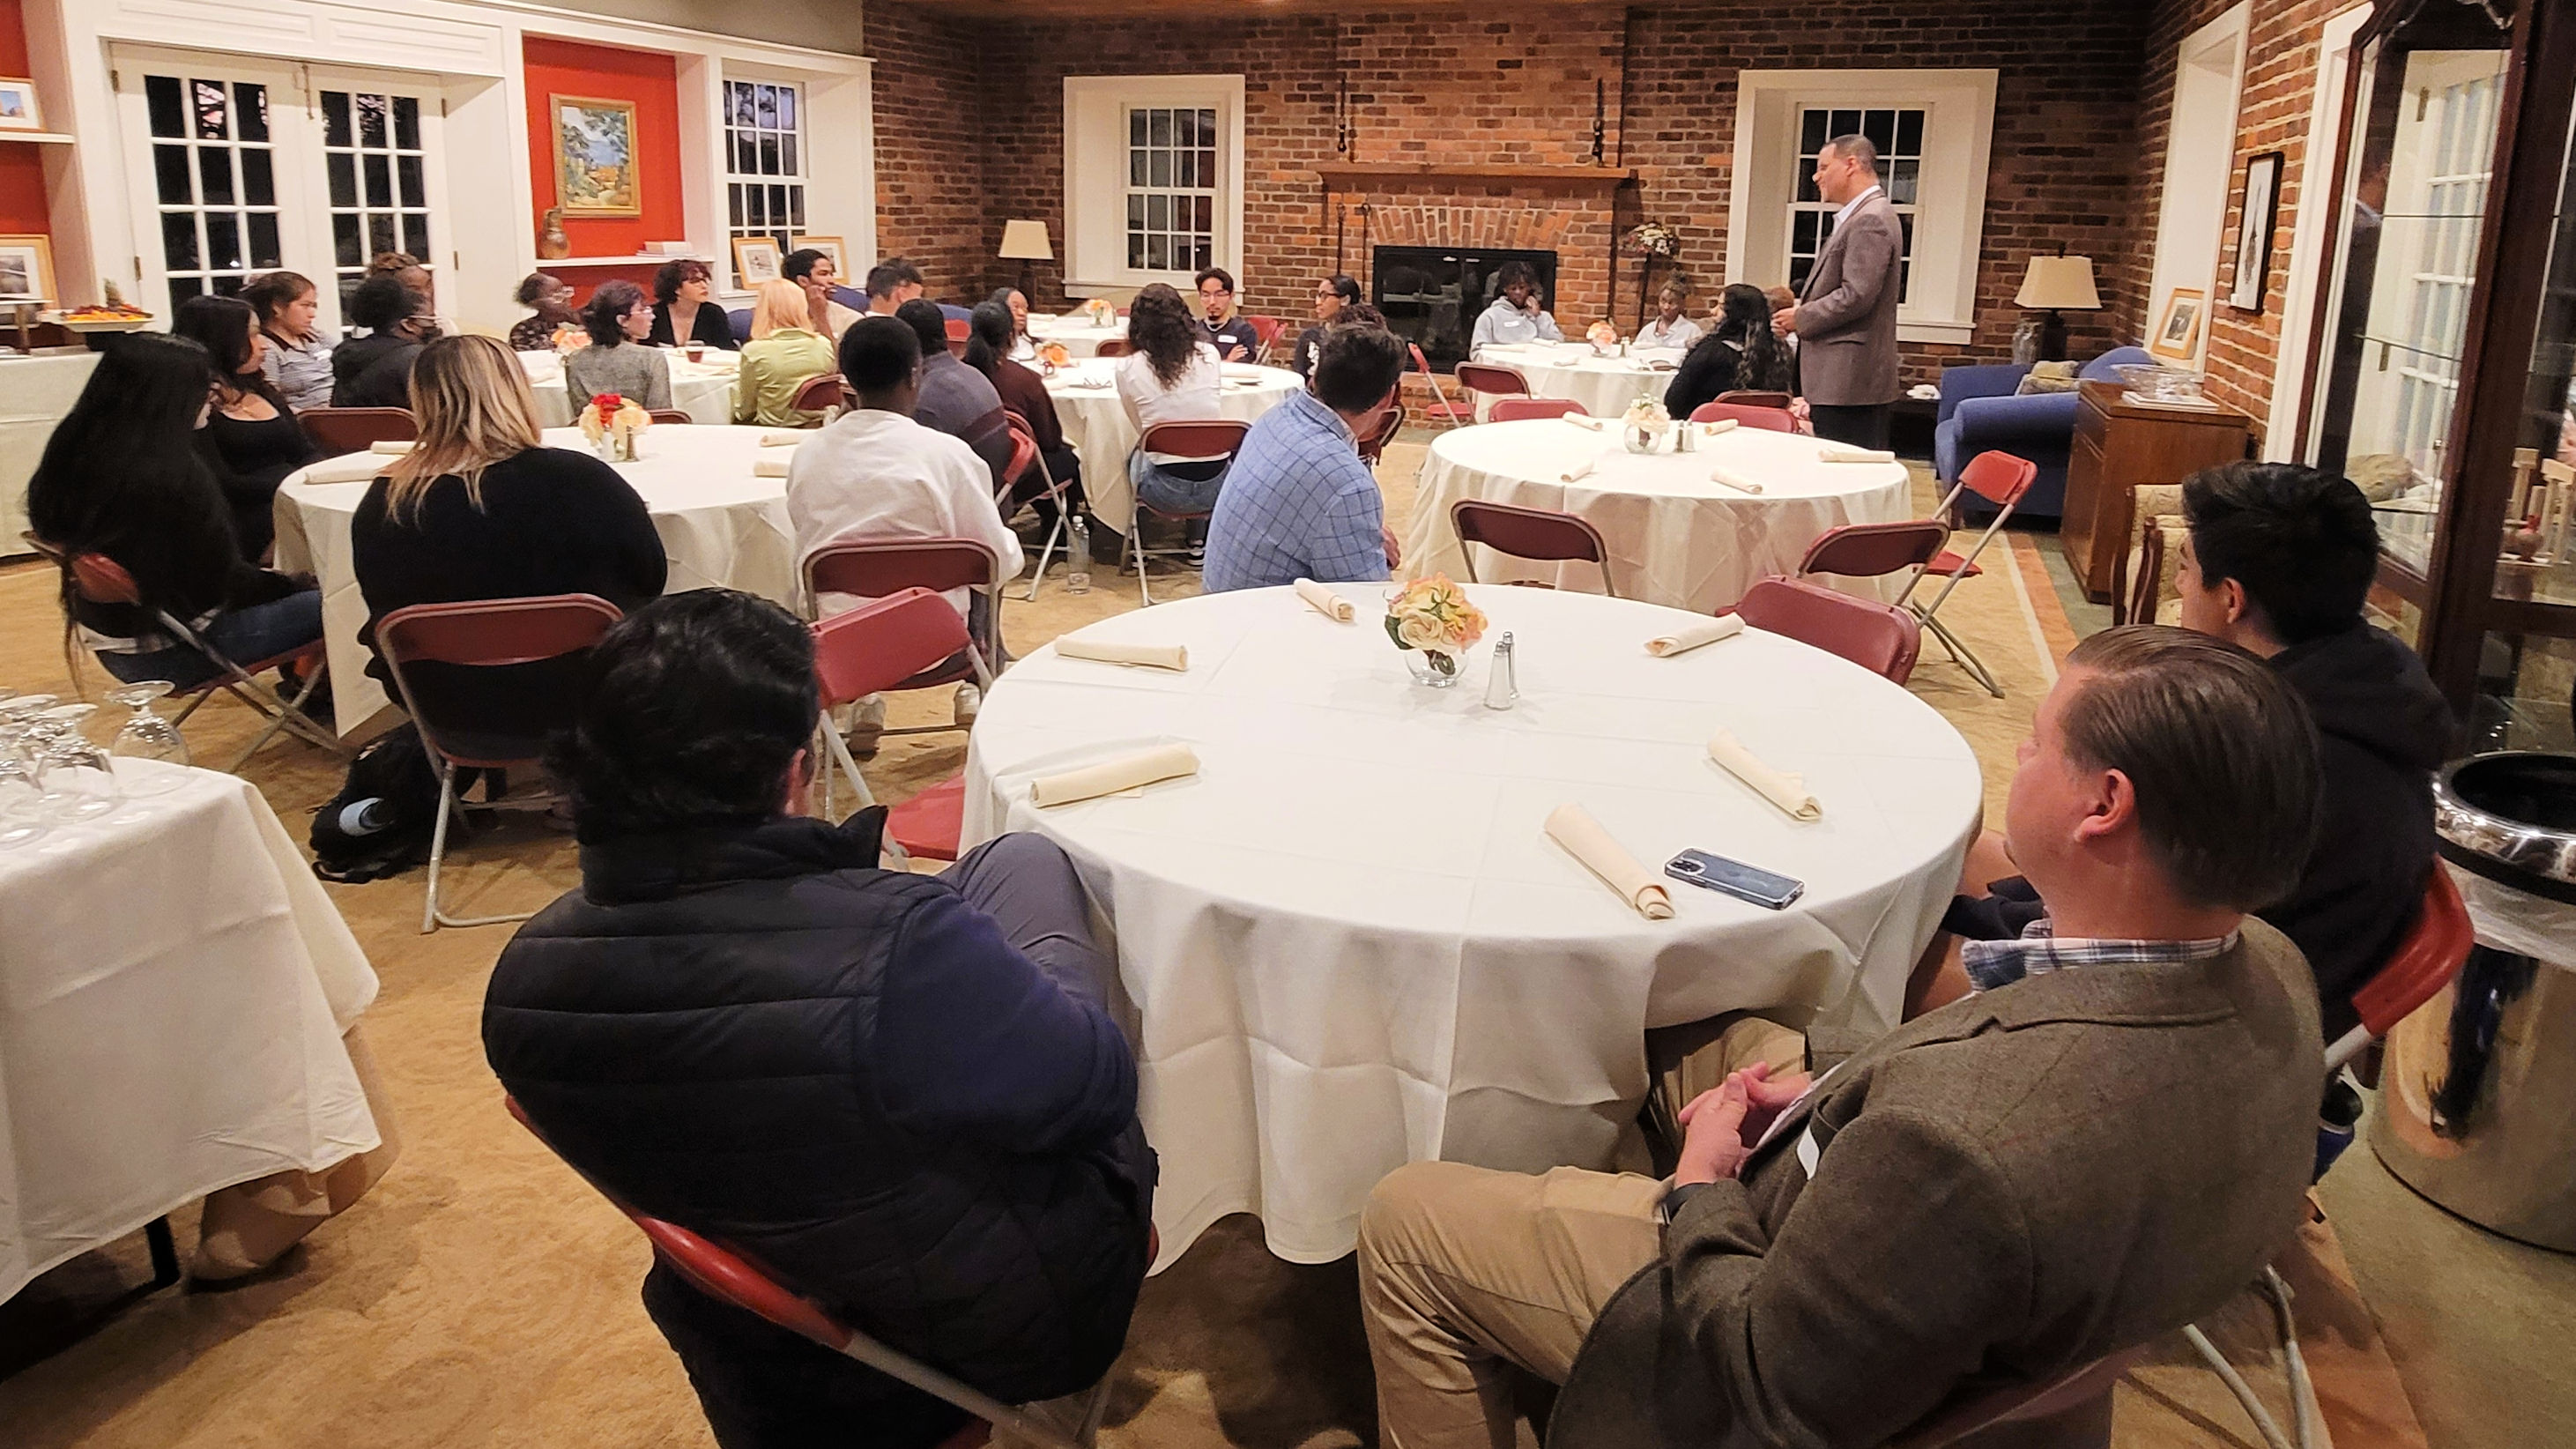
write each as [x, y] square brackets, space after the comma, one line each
[18, 109]
[829, 246]
[596, 173]
[2257, 210]
[756, 259]
[2179, 332]
[26, 269]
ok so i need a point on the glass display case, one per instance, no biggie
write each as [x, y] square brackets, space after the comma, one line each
[2445, 383]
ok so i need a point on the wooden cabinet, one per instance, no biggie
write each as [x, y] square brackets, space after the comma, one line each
[2119, 447]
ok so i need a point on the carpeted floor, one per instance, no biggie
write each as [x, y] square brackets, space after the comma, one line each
[482, 1296]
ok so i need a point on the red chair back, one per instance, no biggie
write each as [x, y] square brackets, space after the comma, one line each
[1880, 638]
[1515, 409]
[819, 393]
[354, 430]
[959, 329]
[1373, 447]
[1755, 398]
[1867, 550]
[883, 642]
[489, 634]
[1488, 377]
[102, 580]
[669, 415]
[1024, 453]
[1999, 477]
[876, 568]
[1111, 347]
[1213, 438]
[1778, 420]
[2424, 962]
[1265, 328]
[1532, 533]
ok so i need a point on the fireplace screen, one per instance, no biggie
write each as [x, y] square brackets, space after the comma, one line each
[1432, 295]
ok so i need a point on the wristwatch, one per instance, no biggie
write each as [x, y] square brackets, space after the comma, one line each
[1679, 1197]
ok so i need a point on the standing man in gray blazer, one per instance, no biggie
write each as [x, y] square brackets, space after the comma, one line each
[1845, 320]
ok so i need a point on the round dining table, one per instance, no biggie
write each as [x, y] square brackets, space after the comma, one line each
[1578, 371]
[703, 390]
[1345, 943]
[1676, 534]
[1096, 426]
[1079, 334]
[723, 524]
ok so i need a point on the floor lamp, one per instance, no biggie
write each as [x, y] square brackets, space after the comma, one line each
[1025, 242]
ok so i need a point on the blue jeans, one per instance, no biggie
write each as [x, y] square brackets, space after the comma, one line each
[245, 636]
[1167, 491]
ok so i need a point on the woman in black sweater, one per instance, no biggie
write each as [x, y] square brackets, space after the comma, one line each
[685, 310]
[1738, 353]
[251, 439]
[122, 476]
[480, 508]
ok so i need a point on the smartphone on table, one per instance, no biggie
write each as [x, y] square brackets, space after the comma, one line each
[1733, 877]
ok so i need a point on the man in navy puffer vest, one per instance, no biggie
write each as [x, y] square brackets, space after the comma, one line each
[901, 1093]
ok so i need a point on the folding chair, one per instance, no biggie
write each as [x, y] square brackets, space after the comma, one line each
[484, 634]
[1373, 447]
[1539, 534]
[1755, 398]
[353, 430]
[1455, 414]
[2001, 479]
[877, 568]
[1871, 550]
[1221, 437]
[1880, 638]
[1778, 420]
[1950, 1424]
[102, 580]
[960, 331]
[1492, 380]
[730, 1277]
[669, 415]
[823, 393]
[1110, 347]
[1025, 436]
[878, 647]
[1267, 329]
[1516, 409]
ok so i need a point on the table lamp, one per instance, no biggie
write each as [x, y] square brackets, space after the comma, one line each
[1025, 242]
[2052, 285]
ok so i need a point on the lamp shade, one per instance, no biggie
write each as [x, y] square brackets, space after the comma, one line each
[2063, 284]
[1026, 241]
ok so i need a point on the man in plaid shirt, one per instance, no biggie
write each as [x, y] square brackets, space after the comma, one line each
[1298, 502]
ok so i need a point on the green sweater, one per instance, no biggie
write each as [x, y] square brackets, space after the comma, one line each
[771, 371]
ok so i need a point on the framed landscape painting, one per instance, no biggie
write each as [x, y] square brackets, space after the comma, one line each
[596, 169]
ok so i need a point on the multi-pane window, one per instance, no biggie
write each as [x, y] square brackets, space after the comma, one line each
[764, 161]
[1898, 134]
[215, 182]
[371, 148]
[2445, 265]
[1171, 188]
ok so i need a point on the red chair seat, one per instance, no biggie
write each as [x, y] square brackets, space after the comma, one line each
[929, 824]
[1946, 563]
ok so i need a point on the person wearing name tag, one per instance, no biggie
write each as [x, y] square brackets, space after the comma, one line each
[2104, 1143]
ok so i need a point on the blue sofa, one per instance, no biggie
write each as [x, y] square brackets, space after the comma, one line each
[1979, 413]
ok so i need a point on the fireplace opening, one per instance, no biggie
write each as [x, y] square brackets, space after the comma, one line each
[1432, 295]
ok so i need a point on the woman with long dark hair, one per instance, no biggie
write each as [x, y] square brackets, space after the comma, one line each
[298, 360]
[1171, 376]
[122, 476]
[618, 358]
[685, 310]
[988, 347]
[1738, 353]
[251, 439]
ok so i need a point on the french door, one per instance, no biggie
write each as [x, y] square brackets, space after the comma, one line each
[239, 165]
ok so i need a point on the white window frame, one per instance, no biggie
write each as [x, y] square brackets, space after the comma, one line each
[1095, 175]
[1949, 215]
[800, 181]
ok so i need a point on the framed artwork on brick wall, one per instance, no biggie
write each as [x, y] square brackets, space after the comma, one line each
[2257, 211]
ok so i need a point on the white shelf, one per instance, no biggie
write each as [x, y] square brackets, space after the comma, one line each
[633, 261]
[46, 138]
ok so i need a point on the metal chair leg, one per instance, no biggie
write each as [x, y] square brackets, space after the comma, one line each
[1044, 554]
[165, 1254]
[431, 917]
[1136, 546]
[1965, 657]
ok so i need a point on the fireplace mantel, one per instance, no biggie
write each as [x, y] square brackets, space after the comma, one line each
[1374, 175]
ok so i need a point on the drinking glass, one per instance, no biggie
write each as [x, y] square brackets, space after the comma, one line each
[78, 778]
[22, 798]
[147, 736]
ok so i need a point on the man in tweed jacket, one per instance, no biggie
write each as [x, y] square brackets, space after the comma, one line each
[1845, 319]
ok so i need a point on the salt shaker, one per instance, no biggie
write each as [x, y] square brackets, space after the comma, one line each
[1502, 682]
[1689, 442]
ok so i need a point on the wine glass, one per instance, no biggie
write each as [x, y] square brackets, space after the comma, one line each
[147, 736]
[78, 777]
[22, 798]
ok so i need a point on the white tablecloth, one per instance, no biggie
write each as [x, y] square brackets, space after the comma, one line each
[1347, 942]
[1676, 537]
[1096, 426]
[35, 394]
[720, 526]
[1604, 385]
[172, 998]
[1078, 335]
[703, 390]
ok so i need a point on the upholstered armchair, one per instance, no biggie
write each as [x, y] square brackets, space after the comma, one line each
[1979, 412]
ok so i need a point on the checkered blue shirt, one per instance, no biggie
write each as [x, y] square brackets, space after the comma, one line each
[2001, 963]
[1297, 504]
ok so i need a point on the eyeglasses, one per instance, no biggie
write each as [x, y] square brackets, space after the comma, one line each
[1215, 292]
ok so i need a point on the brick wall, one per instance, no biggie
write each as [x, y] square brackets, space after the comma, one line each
[930, 203]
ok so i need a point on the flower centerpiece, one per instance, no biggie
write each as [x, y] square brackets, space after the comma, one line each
[570, 337]
[1647, 422]
[1099, 313]
[1603, 337]
[1052, 355]
[1430, 617]
[1654, 239]
[613, 423]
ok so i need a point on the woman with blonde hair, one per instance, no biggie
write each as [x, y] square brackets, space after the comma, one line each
[481, 508]
[785, 352]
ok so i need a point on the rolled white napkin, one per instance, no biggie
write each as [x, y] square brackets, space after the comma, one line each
[390, 446]
[1720, 425]
[1845, 453]
[770, 467]
[1585, 420]
[1737, 481]
[1691, 636]
[1154, 656]
[1574, 828]
[1327, 603]
[1581, 470]
[355, 468]
[783, 438]
[1784, 788]
[1126, 772]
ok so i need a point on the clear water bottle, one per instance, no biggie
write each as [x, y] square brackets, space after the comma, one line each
[1077, 555]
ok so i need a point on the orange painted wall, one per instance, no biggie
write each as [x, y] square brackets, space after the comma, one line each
[22, 163]
[563, 67]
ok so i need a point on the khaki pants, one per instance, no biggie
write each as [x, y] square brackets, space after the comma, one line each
[1462, 1266]
[1689, 1060]
[249, 1225]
